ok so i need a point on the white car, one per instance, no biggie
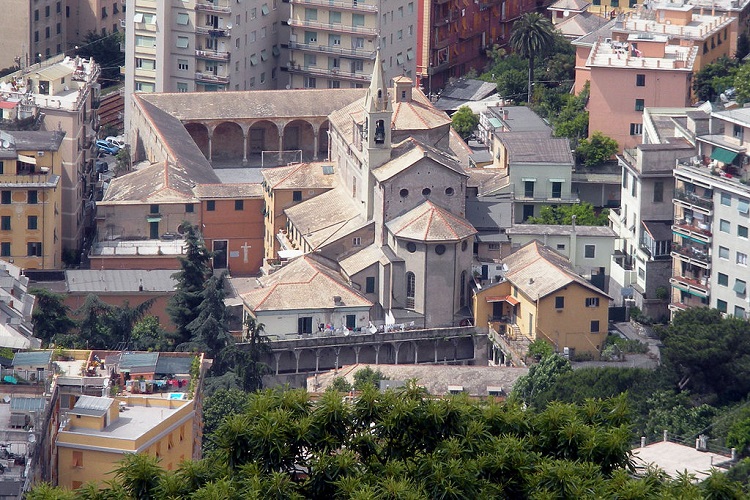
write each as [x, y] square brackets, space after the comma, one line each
[115, 141]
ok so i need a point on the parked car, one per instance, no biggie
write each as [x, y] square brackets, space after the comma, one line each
[115, 141]
[101, 166]
[106, 147]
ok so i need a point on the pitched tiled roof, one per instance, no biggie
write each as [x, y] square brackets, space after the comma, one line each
[581, 24]
[535, 147]
[301, 175]
[152, 184]
[430, 223]
[233, 190]
[254, 104]
[326, 217]
[538, 271]
[366, 257]
[418, 113]
[569, 5]
[409, 152]
[304, 283]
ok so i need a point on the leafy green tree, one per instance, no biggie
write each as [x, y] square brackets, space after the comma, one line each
[51, 317]
[139, 474]
[596, 150]
[742, 83]
[208, 331]
[340, 384]
[122, 319]
[94, 330]
[464, 121]
[714, 79]
[540, 349]
[105, 49]
[368, 377]
[122, 162]
[251, 368]
[218, 406]
[194, 272]
[584, 212]
[148, 335]
[540, 378]
[743, 46]
[532, 36]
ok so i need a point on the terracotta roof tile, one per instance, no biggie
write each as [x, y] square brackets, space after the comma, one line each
[430, 223]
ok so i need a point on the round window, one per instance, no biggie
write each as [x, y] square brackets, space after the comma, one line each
[426, 191]
[404, 193]
[449, 191]
[464, 244]
[411, 247]
[440, 249]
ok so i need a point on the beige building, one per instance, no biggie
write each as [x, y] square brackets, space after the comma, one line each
[100, 16]
[31, 31]
[201, 45]
[62, 93]
[333, 44]
[30, 201]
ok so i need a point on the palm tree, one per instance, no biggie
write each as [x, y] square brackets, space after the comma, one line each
[532, 36]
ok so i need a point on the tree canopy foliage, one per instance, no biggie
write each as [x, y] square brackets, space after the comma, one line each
[563, 214]
[714, 78]
[51, 317]
[464, 121]
[596, 150]
[532, 37]
[105, 49]
[401, 444]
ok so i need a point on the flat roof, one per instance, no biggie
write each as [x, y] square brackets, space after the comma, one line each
[675, 458]
[133, 422]
[120, 280]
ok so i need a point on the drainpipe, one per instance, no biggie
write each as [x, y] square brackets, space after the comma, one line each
[573, 242]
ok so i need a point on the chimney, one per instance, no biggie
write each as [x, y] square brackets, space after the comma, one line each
[573, 222]
[337, 300]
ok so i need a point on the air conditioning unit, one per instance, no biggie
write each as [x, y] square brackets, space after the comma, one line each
[40, 153]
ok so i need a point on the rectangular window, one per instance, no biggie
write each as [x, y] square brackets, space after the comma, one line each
[182, 87]
[5, 249]
[356, 241]
[189, 208]
[737, 132]
[741, 258]
[723, 253]
[210, 206]
[561, 246]
[640, 80]
[5, 223]
[740, 287]
[304, 325]
[557, 189]
[33, 222]
[370, 285]
[528, 189]
[721, 305]
[625, 178]
[589, 251]
[595, 326]
[310, 14]
[34, 249]
[182, 42]
[183, 18]
[742, 231]
[723, 279]
[726, 199]
[182, 64]
[148, 41]
[5, 198]
[33, 197]
[592, 301]
[559, 302]
[239, 205]
[142, 63]
[639, 104]
[296, 195]
[334, 17]
[739, 312]
[658, 192]
[636, 128]
[724, 226]
[358, 19]
[77, 459]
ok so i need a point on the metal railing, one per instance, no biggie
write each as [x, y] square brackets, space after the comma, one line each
[333, 49]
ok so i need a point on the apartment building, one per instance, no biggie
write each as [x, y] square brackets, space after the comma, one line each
[100, 16]
[60, 95]
[712, 217]
[332, 44]
[30, 169]
[201, 45]
[455, 35]
[32, 31]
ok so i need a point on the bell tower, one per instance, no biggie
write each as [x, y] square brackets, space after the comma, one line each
[379, 114]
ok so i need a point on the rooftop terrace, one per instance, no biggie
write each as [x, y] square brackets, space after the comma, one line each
[624, 55]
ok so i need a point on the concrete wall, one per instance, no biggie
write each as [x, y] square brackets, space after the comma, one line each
[285, 322]
[129, 221]
[134, 299]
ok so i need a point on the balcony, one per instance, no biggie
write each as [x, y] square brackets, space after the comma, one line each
[354, 5]
[337, 28]
[211, 78]
[334, 73]
[690, 285]
[696, 231]
[209, 7]
[333, 49]
[213, 32]
[212, 55]
[696, 255]
[694, 201]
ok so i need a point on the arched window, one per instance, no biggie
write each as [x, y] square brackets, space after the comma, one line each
[411, 284]
[379, 132]
[462, 294]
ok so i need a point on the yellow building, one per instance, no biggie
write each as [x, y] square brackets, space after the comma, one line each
[30, 199]
[542, 297]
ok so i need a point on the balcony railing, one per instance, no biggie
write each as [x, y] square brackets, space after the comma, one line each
[329, 73]
[211, 31]
[213, 55]
[693, 199]
[333, 49]
[353, 5]
[211, 78]
[682, 228]
[690, 285]
[362, 30]
[692, 254]
[209, 7]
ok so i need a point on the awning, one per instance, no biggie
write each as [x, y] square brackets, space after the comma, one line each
[153, 219]
[739, 287]
[27, 159]
[504, 298]
[723, 155]
[696, 293]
